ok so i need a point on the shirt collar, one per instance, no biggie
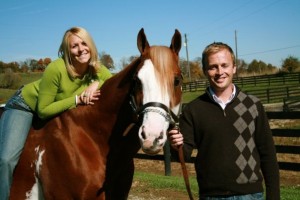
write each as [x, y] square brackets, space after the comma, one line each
[219, 101]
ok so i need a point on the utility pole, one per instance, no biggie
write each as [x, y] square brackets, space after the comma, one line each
[187, 57]
[236, 55]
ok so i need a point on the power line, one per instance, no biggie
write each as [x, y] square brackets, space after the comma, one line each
[223, 16]
[237, 19]
[271, 50]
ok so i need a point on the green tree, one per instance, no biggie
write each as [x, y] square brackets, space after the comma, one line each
[33, 64]
[291, 64]
[253, 67]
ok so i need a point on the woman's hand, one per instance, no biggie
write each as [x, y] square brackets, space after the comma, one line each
[90, 94]
[175, 138]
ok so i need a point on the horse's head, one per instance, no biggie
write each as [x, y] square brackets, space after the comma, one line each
[158, 91]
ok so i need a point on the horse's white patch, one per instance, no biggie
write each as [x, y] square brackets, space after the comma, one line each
[35, 193]
[151, 88]
[154, 124]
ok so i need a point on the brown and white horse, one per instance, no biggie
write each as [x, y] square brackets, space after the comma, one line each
[87, 152]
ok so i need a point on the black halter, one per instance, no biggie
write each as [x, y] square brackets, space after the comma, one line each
[170, 116]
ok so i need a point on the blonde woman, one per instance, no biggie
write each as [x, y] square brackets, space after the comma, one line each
[74, 78]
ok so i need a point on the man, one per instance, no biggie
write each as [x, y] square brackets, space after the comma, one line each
[230, 130]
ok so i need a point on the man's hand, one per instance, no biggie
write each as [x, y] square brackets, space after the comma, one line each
[175, 138]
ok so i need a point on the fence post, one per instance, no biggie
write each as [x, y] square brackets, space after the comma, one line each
[268, 95]
[167, 158]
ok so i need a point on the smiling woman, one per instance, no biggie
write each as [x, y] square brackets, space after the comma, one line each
[73, 79]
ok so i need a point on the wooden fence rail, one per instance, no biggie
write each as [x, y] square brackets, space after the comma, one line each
[266, 80]
[288, 86]
[282, 149]
[275, 95]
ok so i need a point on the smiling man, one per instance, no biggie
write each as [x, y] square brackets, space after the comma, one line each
[230, 130]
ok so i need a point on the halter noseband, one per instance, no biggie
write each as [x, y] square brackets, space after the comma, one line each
[170, 116]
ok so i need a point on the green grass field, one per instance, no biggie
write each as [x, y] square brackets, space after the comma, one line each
[176, 183]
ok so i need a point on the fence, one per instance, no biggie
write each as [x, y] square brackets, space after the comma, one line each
[266, 80]
[274, 95]
[280, 148]
[288, 86]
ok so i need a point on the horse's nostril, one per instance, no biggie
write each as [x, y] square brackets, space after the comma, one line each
[143, 133]
[161, 136]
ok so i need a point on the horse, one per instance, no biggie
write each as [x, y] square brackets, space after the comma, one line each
[87, 152]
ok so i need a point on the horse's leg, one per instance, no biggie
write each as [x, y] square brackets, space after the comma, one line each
[121, 182]
[120, 166]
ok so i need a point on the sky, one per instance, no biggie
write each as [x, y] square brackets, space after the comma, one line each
[266, 30]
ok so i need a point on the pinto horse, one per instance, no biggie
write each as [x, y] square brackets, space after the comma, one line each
[87, 152]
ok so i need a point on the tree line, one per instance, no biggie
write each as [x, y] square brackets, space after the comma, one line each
[191, 70]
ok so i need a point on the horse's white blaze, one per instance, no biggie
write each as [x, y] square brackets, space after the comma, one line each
[154, 124]
[35, 192]
[151, 88]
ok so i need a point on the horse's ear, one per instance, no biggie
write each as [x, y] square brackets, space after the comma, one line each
[176, 42]
[142, 41]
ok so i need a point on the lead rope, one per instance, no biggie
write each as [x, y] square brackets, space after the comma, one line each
[183, 167]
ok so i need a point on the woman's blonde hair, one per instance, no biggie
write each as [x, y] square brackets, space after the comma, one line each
[64, 52]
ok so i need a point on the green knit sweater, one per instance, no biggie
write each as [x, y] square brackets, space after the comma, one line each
[55, 92]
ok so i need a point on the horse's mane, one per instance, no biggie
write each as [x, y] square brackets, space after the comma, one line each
[162, 58]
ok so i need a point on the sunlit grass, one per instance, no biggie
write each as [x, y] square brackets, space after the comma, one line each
[176, 183]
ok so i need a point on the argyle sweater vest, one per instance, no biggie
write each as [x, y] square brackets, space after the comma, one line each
[235, 145]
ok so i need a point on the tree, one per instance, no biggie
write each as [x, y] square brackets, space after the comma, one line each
[2, 67]
[107, 60]
[193, 69]
[196, 71]
[14, 66]
[24, 68]
[47, 61]
[33, 64]
[253, 66]
[40, 65]
[126, 61]
[184, 68]
[242, 66]
[291, 64]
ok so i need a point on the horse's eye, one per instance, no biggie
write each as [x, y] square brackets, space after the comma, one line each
[176, 81]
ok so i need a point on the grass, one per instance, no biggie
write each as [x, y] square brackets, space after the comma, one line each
[166, 182]
[5, 94]
[176, 183]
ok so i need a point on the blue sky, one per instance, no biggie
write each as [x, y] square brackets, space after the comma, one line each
[267, 30]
